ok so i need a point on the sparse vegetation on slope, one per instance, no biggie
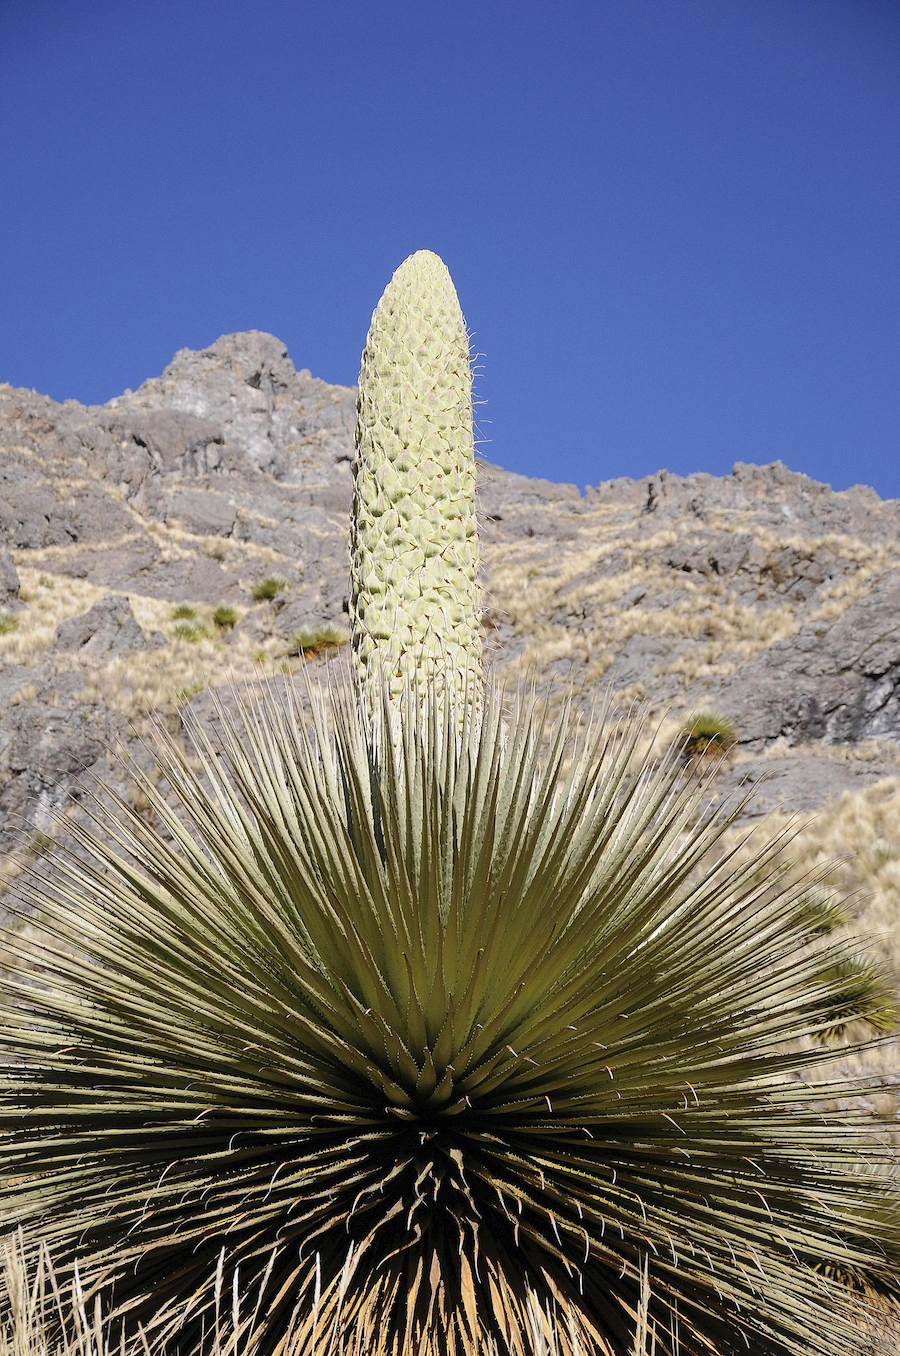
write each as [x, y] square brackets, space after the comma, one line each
[189, 631]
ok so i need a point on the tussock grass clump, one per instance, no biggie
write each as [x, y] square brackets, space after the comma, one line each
[184, 612]
[225, 617]
[189, 631]
[864, 992]
[40, 1317]
[316, 640]
[8, 623]
[882, 852]
[268, 588]
[426, 1028]
[707, 734]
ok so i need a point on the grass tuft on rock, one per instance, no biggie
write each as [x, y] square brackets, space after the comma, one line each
[707, 734]
[225, 617]
[268, 588]
[316, 640]
[189, 631]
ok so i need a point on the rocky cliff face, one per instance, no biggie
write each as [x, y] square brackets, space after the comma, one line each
[762, 595]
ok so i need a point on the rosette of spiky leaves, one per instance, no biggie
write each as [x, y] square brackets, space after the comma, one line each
[864, 992]
[432, 1035]
[415, 607]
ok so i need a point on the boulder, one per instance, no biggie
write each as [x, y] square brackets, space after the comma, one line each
[203, 512]
[9, 579]
[801, 782]
[105, 631]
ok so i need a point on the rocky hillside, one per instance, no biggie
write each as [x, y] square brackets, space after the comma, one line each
[762, 595]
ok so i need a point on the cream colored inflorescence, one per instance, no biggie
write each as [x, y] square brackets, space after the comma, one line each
[415, 607]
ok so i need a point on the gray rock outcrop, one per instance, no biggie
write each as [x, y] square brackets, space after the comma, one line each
[9, 579]
[105, 631]
[839, 683]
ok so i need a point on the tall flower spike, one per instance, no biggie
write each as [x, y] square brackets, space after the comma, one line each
[414, 597]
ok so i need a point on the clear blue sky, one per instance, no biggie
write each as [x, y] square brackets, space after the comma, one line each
[674, 225]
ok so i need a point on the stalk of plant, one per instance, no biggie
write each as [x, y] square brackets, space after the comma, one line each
[414, 601]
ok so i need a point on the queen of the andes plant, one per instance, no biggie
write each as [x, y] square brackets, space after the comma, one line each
[433, 1046]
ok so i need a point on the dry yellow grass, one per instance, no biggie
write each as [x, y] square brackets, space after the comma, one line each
[723, 631]
[856, 838]
[50, 599]
[138, 685]
[43, 1317]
